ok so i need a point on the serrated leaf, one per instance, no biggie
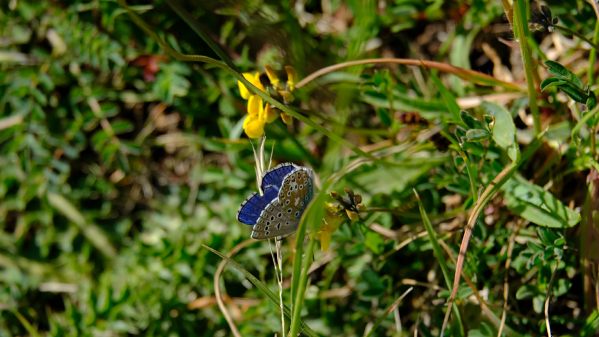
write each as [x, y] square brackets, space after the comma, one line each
[538, 206]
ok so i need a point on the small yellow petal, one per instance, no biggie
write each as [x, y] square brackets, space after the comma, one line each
[287, 96]
[291, 77]
[255, 106]
[325, 240]
[353, 216]
[270, 114]
[286, 118]
[253, 78]
[272, 76]
[253, 127]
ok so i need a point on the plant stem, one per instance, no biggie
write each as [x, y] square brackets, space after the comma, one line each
[523, 34]
[466, 74]
[578, 35]
[298, 300]
[593, 55]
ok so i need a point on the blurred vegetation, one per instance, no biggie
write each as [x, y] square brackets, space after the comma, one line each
[118, 162]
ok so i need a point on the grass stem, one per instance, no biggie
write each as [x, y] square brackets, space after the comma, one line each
[298, 299]
[523, 34]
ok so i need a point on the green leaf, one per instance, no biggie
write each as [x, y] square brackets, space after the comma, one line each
[538, 206]
[552, 82]
[526, 291]
[402, 101]
[476, 135]
[374, 242]
[504, 129]
[470, 121]
[575, 93]
[562, 72]
[591, 102]
[449, 99]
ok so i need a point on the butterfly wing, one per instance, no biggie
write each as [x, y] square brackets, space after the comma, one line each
[252, 207]
[281, 217]
[276, 175]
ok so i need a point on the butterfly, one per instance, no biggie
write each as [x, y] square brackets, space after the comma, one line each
[287, 190]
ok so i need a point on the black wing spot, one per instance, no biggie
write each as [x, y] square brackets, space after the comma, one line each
[279, 215]
[267, 233]
[289, 210]
[266, 228]
[287, 202]
[272, 217]
[297, 213]
[279, 225]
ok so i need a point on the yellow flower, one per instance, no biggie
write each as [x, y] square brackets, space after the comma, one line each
[291, 77]
[332, 220]
[272, 76]
[258, 113]
[286, 118]
[253, 125]
[253, 78]
[270, 114]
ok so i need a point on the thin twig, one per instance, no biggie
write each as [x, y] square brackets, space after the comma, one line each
[483, 304]
[463, 73]
[548, 298]
[217, 291]
[506, 285]
[481, 202]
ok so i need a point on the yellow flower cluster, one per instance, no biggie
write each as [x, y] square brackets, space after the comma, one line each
[349, 206]
[260, 113]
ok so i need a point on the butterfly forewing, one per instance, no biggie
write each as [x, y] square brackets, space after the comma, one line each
[276, 175]
[254, 205]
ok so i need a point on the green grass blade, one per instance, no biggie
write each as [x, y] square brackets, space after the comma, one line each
[30, 329]
[198, 29]
[263, 288]
[92, 232]
[389, 309]
[438, 251]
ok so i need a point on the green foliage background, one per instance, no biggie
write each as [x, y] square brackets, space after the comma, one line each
[117, 163]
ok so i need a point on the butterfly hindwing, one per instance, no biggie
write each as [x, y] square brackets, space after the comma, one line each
[252, 207]
[281, 217]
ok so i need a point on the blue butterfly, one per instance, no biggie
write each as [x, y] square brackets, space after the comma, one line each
[287, 189]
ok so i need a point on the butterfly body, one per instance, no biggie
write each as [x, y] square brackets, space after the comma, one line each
[287, 191]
